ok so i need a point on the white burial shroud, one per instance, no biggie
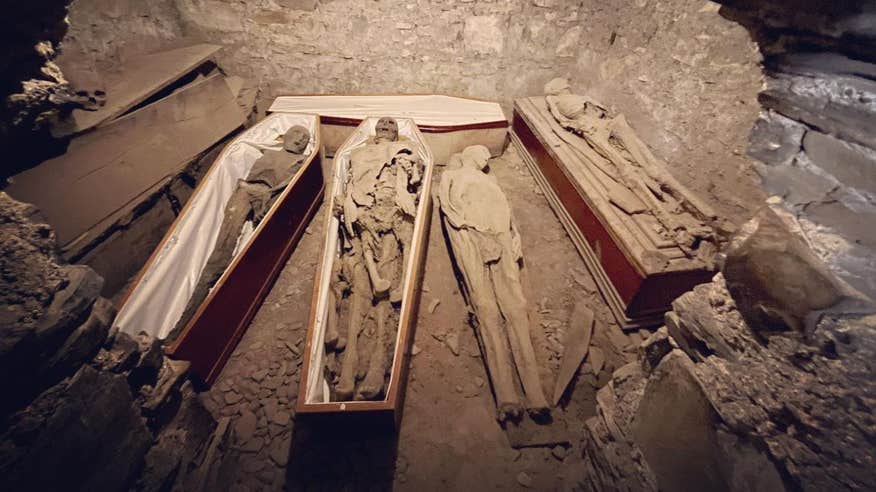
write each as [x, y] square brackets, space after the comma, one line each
[161, 295]
[317, 385]
[425, 110]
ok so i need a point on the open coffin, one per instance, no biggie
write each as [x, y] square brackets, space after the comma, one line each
[315, 393]
[448, 123]
[160, 293]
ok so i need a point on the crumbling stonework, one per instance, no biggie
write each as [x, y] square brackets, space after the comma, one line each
[84, 407]
[32, 88]
[721, 403]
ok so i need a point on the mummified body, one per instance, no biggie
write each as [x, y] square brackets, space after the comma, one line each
[251, 200]
[643, 185]
[487, 249]
[377, 208]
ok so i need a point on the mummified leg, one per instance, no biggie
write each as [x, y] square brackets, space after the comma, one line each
[379, 284]
[333, 338]
[360, 300]
[492, 336]
[509, 293]
[372, 385]
[237, 210]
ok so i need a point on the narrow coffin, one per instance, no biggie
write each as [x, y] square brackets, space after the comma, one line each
[613, 244]
[314, 387]
[161, 291]
[448, 123]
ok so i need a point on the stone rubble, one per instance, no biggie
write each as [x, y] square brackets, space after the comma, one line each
[102, 410]
[720, 402]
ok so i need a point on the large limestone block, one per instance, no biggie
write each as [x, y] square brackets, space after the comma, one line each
[684, 441]
[778, 283]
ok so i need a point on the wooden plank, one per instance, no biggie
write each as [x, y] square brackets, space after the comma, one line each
[116, 163]
[135, 81]
[576, 344]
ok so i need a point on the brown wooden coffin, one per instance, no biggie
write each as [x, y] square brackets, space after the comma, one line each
[312, 397]
[611, 242]
[211, 335]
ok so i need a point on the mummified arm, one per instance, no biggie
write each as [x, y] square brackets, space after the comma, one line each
[408, 174]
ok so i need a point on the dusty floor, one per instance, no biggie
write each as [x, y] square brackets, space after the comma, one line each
[449, 437]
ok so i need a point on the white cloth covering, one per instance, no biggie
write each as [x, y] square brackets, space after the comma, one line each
[427, 110]
[159, 298]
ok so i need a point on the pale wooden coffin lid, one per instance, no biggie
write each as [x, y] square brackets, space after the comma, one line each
[424, 110]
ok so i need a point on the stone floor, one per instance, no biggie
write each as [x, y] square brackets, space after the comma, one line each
[449, 437]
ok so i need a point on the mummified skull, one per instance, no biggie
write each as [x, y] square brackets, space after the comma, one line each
[296, 139]
[386, 129]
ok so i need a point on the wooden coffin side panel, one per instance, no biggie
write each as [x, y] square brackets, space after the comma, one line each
[219, 324]
[312, 386]
[658, 291]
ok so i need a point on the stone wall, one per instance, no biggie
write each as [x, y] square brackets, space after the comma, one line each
[686, 77]
[84, 407]
[815, 138]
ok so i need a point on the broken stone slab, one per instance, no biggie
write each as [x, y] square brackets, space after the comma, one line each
[851, 164]
[149, 364]
[69, 307]
[87, 430]
[696, 330]
[778, 283]
[775, 139]
[799, 183]
[653, 349]
[179, 446]
[677, 429]
[245, 426]
[279, 451]
[452, 342]
[830, 103]
[121, 356]
[597, 359]
[159, 403]
[81, 345]
[206, 476]
[577, 343]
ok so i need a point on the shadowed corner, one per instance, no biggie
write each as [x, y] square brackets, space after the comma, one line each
[342, 452]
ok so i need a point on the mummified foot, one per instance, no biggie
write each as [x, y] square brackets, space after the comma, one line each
[370, 390]
[395, 296]
[510, 411]
[344, 390]
[538, 412]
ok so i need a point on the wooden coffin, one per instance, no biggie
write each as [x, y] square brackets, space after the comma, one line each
[611, 242]
[313, 395]
[158, 296]
[449, 124]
